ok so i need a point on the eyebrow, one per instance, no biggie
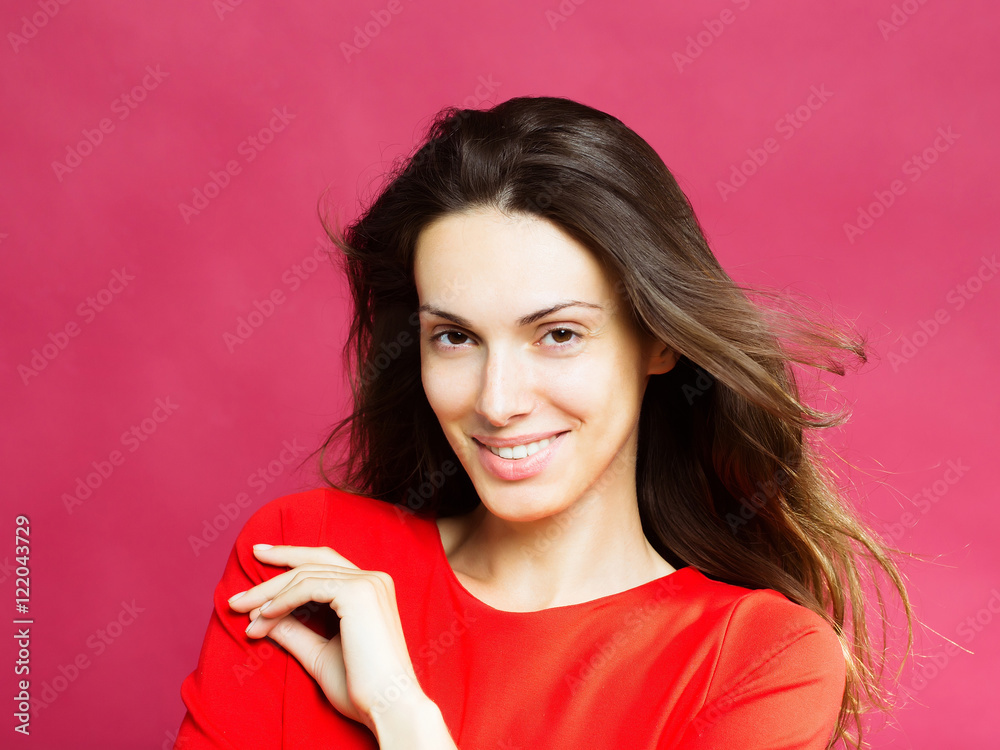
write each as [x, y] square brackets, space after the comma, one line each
[523, 321]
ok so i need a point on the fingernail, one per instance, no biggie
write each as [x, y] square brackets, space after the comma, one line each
[263, 546]
[251, 624]
[264, 605]
[234, 597]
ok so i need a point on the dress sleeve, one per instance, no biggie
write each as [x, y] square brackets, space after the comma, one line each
[778, 682]
[234, 695]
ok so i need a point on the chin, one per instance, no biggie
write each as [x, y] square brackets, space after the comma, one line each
[518, 506]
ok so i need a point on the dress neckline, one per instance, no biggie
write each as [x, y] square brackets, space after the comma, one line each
[677, 577]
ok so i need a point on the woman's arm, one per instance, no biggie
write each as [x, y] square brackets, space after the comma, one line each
[260, 689]
[777, 685]
[234, 695]
[418, 725]
[365, 670]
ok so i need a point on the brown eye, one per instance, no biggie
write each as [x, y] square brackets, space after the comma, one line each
[445, 338]
[563, 337]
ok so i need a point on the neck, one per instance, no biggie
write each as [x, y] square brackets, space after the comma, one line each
[593, 548]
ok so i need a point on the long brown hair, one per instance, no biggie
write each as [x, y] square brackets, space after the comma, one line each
[727, 477]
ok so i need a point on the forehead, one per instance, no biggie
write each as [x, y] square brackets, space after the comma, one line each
[504, 259]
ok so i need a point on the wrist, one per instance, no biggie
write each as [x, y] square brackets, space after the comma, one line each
[413, 722]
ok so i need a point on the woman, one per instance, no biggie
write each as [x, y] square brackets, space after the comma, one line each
[578, 506]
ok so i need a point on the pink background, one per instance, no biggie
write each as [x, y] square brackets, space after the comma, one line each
[922, 403]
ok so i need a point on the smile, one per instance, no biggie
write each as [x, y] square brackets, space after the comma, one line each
[520, 451]
[514, 462]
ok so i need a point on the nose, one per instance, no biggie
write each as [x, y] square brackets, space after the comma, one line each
[505, 389]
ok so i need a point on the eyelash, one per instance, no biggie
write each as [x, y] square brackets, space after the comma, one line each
[437, 339]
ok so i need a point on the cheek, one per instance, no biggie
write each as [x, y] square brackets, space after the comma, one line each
[448, 387]
[595, 389]
[575, 384]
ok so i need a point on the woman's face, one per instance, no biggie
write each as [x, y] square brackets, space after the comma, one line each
[523, 339]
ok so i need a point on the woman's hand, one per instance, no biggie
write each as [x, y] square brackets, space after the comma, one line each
[365, 670]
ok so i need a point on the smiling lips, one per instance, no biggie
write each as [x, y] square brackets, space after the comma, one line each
[511, 442]
[508, 460]
[520, 451]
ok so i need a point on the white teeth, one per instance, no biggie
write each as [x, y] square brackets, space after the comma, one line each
[520, 451]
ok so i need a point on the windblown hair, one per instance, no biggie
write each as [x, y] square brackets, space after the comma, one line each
[727, 478]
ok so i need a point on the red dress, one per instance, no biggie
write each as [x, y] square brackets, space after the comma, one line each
[679, 662]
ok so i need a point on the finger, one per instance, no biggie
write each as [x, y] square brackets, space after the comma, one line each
[244, 601]
[292, 556]
[322, 659]
[298, 640]
[305, 589]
